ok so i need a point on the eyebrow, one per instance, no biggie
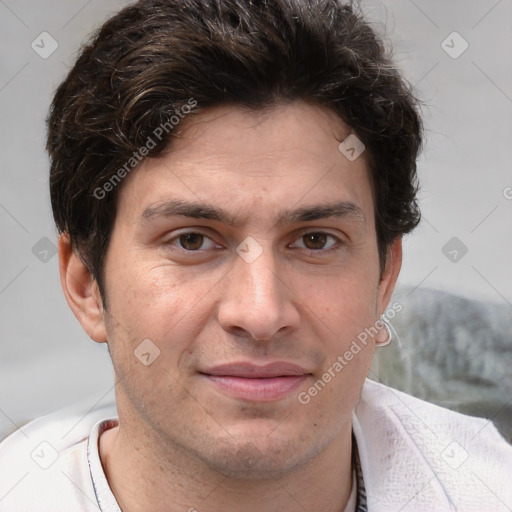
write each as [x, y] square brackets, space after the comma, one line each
[173, 208]
[340, 210]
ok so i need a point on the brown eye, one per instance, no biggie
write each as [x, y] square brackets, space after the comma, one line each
[315, 240]
[191, 241]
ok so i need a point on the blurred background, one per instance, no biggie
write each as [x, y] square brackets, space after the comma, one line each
[456, 283]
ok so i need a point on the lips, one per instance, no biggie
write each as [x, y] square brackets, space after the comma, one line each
[256, 383]
[252, 371]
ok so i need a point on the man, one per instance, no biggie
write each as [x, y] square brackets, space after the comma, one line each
[231, 181]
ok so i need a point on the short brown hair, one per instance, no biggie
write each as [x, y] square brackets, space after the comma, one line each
[146, 63]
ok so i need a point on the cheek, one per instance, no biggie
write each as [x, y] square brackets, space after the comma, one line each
[159, 303]
[342, 307]
[345, 296]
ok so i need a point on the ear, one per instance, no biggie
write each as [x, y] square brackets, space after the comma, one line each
[387, 285]
[389, 275]
[81, 291]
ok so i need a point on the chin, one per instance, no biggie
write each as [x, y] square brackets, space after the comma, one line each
[254, 457]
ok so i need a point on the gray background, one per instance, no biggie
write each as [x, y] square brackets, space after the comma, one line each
[46, 359]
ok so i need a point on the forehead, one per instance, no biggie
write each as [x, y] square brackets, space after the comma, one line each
[252, 163]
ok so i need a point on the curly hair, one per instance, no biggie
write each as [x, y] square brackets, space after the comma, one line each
[147, 62]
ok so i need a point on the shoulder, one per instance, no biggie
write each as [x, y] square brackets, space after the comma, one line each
[419, 456]
[44, 466]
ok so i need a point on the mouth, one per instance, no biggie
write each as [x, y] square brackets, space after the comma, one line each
[255, 383]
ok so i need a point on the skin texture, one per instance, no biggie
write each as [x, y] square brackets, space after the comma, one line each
[182, 442]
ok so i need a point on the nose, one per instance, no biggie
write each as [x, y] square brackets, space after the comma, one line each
[257, 301]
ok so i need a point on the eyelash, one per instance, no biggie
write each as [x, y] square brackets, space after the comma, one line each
[335, 246]
[316, 251]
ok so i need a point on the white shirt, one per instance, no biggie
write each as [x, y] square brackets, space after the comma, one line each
[414, 457]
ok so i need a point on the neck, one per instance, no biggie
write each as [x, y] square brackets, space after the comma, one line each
[171, 480]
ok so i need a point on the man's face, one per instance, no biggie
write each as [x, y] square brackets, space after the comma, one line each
[297, 292]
